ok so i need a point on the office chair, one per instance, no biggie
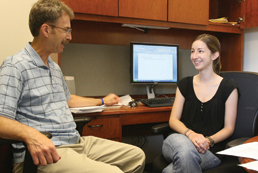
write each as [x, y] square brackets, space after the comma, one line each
[29, 167]
[246, 123]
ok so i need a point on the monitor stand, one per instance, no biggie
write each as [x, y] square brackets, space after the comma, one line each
[150, 91]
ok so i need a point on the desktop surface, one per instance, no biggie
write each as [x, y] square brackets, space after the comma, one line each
[108, 124]
[133, 110]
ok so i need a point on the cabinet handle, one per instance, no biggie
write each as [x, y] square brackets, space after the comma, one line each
[241, 19]
[94, 126]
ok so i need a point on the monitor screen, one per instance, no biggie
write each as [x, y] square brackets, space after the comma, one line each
[154, 63]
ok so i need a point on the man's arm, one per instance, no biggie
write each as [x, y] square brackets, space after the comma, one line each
[78, 101]
[41, 148]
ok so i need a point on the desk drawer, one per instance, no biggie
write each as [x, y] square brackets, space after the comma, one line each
[104, 127]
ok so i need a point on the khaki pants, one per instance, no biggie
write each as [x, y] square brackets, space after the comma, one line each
[95, 155]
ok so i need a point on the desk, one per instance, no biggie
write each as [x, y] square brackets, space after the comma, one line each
[108, 124]
[246, 160]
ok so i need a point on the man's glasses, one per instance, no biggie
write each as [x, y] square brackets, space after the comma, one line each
[67, 30]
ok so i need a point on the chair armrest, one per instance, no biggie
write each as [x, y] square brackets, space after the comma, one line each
[29, 166]
[9, 141]
[82, 119]
[161, 128]
[236, 142]
[80, 123]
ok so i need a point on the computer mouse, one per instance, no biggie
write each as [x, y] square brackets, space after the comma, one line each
[133, 104]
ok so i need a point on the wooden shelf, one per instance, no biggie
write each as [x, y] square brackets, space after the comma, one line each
[213, 27]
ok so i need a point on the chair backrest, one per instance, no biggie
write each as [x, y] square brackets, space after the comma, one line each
[247, 113]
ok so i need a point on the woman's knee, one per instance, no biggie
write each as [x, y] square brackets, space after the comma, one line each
[177, 141]
[178, 146]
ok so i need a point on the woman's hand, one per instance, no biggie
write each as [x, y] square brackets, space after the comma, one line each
[200, 142]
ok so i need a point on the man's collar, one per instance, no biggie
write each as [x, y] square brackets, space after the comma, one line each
[35, 56]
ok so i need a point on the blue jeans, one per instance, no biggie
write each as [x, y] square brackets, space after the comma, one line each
[183, 157]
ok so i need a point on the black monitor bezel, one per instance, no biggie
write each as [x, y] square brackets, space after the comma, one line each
[154, 44]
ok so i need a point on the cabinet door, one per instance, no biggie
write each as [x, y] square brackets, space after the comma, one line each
[143, 9]
[249, 9]
[189, 11]
[100, 7]
[108, 127]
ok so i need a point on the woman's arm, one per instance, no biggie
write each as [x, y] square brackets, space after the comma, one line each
[230, 118]
[176, 113]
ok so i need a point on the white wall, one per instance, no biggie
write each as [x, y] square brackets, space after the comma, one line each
[14, 29]
[14, 26]
[250, 49]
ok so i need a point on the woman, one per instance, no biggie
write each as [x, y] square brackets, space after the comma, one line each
[203, 114]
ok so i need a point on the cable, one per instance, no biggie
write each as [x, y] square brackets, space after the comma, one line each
[145, 30]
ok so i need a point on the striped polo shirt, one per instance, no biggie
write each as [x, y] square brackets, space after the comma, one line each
[36, 95]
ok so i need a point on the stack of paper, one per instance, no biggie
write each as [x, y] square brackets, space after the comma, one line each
[248, 150]
[124, 100]
[90, 109]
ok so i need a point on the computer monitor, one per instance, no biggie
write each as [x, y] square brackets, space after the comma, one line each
[153, 63]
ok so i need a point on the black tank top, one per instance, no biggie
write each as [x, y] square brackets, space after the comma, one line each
[205, 118]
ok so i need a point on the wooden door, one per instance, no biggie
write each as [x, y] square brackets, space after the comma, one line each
[99, 7]
[249, 9]
[143, 9]
[189, 11]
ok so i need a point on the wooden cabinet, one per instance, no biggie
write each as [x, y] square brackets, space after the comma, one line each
[143, 9]
[189, 11]
[245, 10]
[104, 127]
[196, 12]
[98, 22]
[99, 7]
[249, 12]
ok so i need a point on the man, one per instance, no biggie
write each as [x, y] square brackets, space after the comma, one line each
[34, 97]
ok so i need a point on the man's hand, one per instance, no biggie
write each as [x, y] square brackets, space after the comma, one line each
[42, 149]
[111, 99]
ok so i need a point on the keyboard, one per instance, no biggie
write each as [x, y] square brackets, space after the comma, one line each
[158, 102]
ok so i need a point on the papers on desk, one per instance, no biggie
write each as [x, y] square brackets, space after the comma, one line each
[89, 109]
[248, 150]
[124, 100]
[251, 165]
